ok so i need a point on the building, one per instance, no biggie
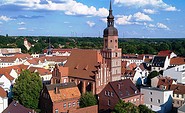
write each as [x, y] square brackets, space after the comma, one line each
[168, 53]
[7, 51]
[16, 107]
[3, 99]
[177, 61]
[133, 58]
[162, 82]
[110, 51]
[27, 44]
[177, 72]
[158, 100]
[178, 94]
[114, 91]
[59, 98]
[86, 68]
[59, 52]
[160, 63]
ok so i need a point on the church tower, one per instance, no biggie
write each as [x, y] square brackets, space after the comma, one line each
[110, 51]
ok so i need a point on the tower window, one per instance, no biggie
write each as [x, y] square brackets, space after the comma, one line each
[116, 41]
[110, 40]
[116, 54]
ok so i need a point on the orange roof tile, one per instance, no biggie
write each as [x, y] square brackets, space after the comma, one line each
[6, 72]
[165, 53]
[2, 93]
[178, 88]
[63, 91]
[82, 58]
[177, 61]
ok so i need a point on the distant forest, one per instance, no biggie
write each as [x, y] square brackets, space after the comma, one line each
[128, 45]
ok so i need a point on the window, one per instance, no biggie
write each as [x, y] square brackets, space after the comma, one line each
[116, 54]
[151, 99]
[110, 40]
[56, 110]
[69, 104]
[158, 100]
[150, 93]
[177, 102]
[150, 106]
[105, 92]
[109, 102]
[74, 104]
[78, 102]
[177, 95]
[64, 105]
[111, 94]
[116, 41]
[108, 93]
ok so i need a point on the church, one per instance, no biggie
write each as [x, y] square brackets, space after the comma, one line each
[92, 70]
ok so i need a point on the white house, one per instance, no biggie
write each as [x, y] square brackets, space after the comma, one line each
[160, 63]
[157, 99]
[5, 83]
[3, 100]
[140, 75]
[9, 61]
[177, 72]
[133, 58]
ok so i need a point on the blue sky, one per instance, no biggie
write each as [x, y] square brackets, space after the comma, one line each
[133, 18]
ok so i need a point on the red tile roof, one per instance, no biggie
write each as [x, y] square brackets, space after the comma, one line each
[16, 107]
[6, 73]
[63, 91]
[2, 93]
[165, 81]
[165, 53]
[177, 61]
[178, 88]
[124, 88]
[83, 63]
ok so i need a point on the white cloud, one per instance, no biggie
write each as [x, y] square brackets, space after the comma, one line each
[132, 19]
[124, 20]
[90, 23]
[162, 26]
[70, 7]
[149, 11]
[5, 18]
[21, 23]
[151, 25]
[66, 22]
[145, 3]
[141, 17]
[104, 20]
[22, 28]
[1, 23]
[170, 9]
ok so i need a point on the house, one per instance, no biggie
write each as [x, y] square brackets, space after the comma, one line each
[177, 72]
[160, 63]
[168, 53]
[27, 44]
[6, 51]
[87, 68]
[178, 94]
[3, 99]
[176, 61]
[114, 91]
[16, 107]
[59, 98]
[6, 82]
[59, 52]
[133, 58]
[59, 74]
[141, 74]
[9, 61]
[158, 100]
[162, 82]
[44, 74]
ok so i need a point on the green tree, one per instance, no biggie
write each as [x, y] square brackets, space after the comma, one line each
[144, 109]
[87, 99]
[122, 107]
[27, 89]
[152, 75]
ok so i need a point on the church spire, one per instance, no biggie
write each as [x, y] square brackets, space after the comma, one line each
[110, 18]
